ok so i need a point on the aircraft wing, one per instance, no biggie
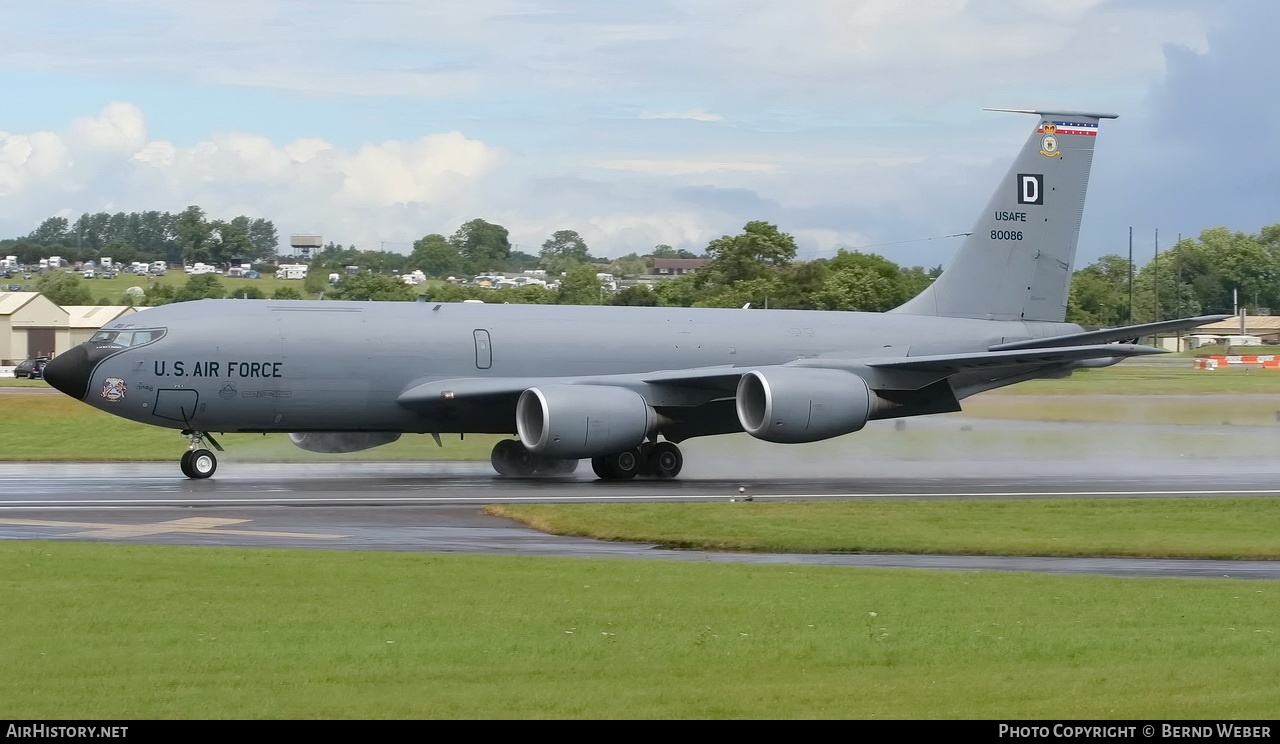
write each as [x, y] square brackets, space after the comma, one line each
[1107, 335]
[1010, 358]
[721, 377]
[697, 386]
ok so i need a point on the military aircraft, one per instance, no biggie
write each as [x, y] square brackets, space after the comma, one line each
[622, 386]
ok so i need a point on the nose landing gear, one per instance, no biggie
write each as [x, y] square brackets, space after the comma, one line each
[198, 462]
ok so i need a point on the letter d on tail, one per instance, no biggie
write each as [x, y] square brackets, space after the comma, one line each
[1030, 189]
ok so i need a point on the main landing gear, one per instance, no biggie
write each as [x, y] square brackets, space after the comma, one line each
[659, 459]
[510, 457]
[198, 462]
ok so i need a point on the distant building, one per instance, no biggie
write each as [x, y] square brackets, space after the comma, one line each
[1265, 327]
[31, 325]
[677, 266]
[85, 320]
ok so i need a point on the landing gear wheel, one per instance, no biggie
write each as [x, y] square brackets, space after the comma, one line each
[621, 466]
[665, 460]
[510, 457]
[500, 457]
[556, 466]
[523, 461]
[198, 464]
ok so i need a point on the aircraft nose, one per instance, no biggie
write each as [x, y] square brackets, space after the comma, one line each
[69, 372]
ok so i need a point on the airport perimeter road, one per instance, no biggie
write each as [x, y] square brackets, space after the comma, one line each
[434, 507]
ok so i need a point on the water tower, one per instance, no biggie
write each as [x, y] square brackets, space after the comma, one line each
[305, 246]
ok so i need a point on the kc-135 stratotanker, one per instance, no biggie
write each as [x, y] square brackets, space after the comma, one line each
[622, 386]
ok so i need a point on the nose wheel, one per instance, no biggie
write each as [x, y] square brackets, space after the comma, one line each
[199, 463]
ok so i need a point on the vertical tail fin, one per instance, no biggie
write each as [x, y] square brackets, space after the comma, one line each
[1017, 262]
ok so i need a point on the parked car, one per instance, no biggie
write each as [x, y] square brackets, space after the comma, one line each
[31, 369]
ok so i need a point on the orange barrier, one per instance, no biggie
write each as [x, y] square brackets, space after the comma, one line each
[1266, 361]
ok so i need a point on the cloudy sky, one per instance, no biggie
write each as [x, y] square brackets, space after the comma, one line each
[848, 123]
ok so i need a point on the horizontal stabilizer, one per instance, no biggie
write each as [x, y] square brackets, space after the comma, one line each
[1055, 112]
[1107, 335]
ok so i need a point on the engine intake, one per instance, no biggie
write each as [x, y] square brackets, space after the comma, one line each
[577, 421]
[333, 442]
[802, 404]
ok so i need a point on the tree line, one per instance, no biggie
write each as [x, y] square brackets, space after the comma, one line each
[1208, 274]
[1218, 272]
[186, 237]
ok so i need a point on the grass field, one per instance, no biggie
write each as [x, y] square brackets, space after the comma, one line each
[1242, 528]
[113, 290]
[135, 632]
[1168, 377]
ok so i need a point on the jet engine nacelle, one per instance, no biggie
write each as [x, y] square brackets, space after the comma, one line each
[577, 421]
[332, 442]
[802, 404]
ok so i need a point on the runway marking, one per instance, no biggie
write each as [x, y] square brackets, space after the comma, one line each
[587, 496]
[189, 526]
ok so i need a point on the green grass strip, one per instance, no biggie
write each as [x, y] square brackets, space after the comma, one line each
[1225, 528]
[139, 632]
[1164, 378]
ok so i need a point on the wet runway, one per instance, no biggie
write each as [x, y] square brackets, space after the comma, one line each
[434, 507]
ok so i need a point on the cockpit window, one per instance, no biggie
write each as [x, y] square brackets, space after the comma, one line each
[127, 338]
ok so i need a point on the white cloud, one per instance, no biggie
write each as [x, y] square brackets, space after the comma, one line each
[308, 180]
[844, 121]
[68, 160]
[432, 168]
[120, 128]
[24, 158]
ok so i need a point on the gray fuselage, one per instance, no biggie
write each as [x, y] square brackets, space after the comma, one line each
[295, 366]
